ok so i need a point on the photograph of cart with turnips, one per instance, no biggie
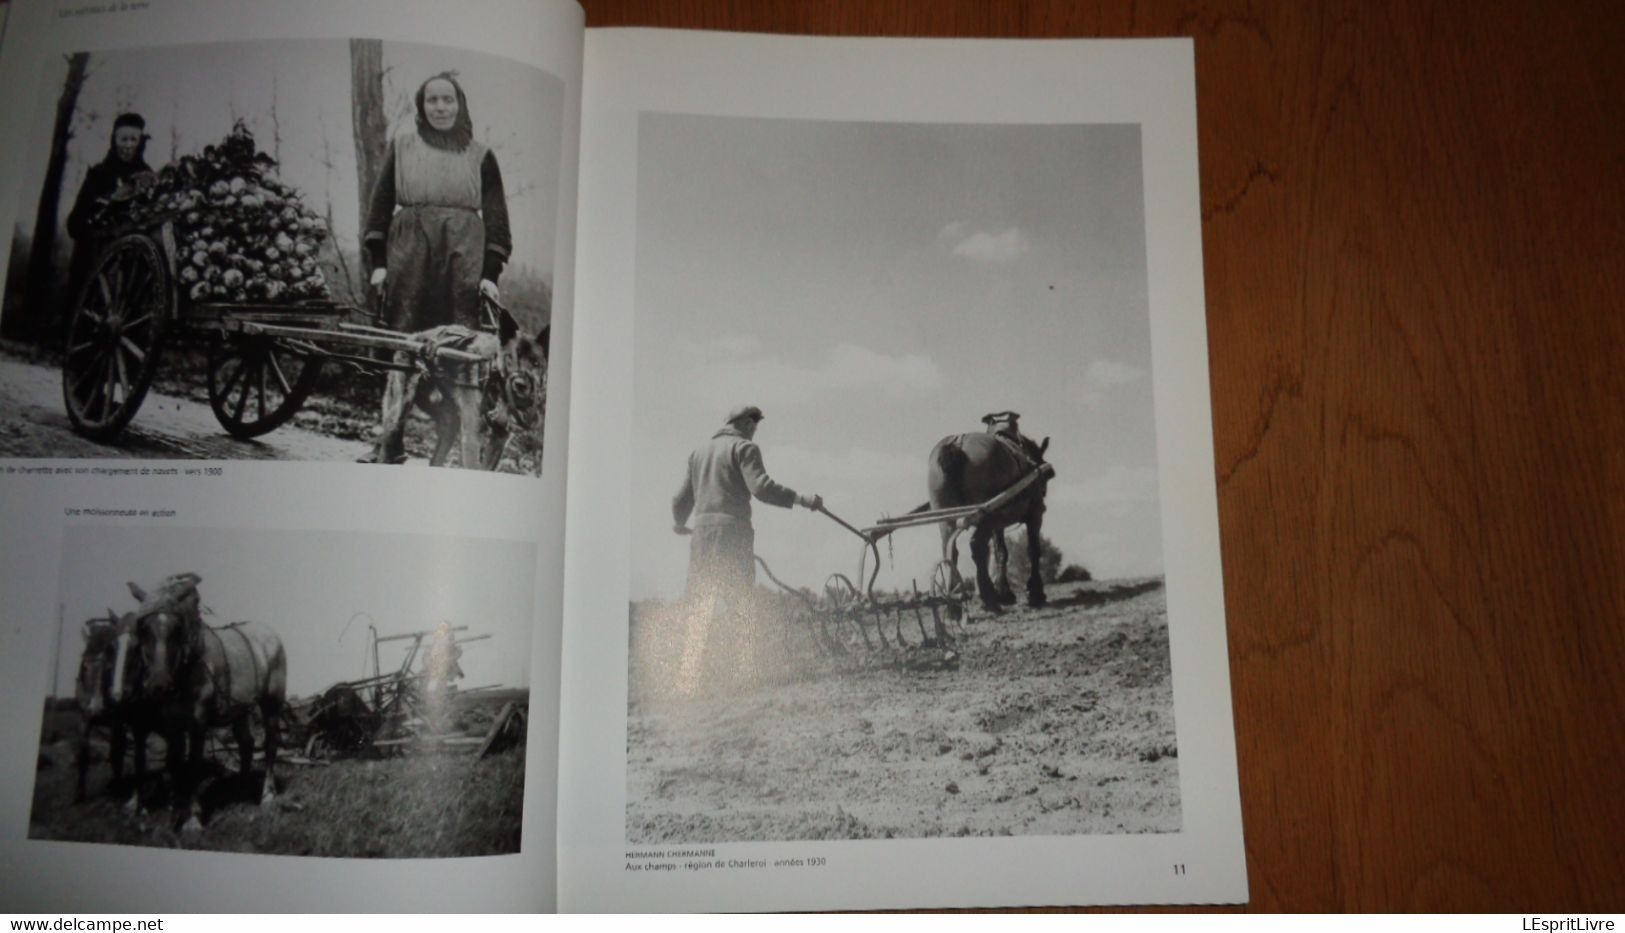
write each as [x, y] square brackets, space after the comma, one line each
[333, 250]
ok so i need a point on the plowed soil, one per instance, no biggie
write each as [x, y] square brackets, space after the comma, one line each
[1049, 721]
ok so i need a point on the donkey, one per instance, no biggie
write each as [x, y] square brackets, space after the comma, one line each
[476, 406]
[199, 677]
[970, 469]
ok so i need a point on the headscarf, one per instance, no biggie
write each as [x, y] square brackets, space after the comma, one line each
[461, 133]
[137, 164]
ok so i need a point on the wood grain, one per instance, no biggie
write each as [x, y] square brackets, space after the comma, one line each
[1414, 233]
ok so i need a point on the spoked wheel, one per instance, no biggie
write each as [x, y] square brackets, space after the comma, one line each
[114, 335]
[318, 748]
[947, 583]
[840, 591]
[256, 384]
[844, 625]
[946, 580]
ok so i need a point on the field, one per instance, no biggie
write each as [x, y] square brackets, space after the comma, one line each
[425, 805]
[1056, 721]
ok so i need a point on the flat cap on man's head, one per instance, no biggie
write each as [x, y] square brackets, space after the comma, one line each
[744, 411]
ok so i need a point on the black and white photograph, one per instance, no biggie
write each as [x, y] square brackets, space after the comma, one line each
[310, 250]
[287, 692]
[896, 547]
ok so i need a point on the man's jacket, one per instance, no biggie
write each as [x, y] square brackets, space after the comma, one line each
[722, 476]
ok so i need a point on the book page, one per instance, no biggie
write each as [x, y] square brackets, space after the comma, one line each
[863, 311]
[249, 245]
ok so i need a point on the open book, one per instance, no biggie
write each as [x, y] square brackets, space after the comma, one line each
[785, 471]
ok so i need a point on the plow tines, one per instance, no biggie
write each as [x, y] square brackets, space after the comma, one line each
[912, 631]
[915, 631]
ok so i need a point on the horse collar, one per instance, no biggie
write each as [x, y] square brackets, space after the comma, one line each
[1024, 449]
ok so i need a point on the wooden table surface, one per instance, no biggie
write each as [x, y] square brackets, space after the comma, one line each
[1414, 234]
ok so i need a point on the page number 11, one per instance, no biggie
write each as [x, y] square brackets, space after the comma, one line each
[1179, 868]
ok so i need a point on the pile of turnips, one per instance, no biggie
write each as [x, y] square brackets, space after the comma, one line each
[240, 234]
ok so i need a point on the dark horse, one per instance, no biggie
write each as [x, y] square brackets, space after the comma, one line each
[92, 693]
[971, 469]
[198, 677]
[103, 668]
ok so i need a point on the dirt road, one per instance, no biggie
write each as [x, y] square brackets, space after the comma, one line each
[1057, 721]
[33, 423]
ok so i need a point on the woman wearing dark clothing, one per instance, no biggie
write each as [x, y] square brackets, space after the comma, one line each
[449, 239]
[121, 165]
[437, 227]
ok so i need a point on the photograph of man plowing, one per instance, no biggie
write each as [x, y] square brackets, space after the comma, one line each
[972, 636]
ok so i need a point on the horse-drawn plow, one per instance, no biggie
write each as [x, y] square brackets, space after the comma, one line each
[844, 615]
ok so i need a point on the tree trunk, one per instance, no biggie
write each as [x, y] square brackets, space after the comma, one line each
[41, 303]
[369, 126]
[276, 123]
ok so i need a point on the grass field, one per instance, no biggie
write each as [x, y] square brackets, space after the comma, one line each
[425, 805]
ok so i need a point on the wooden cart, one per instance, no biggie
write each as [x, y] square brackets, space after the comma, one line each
[263, 357]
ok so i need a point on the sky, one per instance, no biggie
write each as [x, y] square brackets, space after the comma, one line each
[875, 287]
[190, 96]
[318, 590]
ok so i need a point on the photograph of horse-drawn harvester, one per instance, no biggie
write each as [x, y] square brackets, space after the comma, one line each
[814, 385]
[174, 721]
[184, 283]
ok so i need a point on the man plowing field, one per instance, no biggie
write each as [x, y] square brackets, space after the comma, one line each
[720, 613]
[723, 475]
[979, 483]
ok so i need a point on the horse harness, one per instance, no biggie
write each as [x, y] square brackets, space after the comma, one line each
[221, 679]
[1005, 426]
[197, 653]
[509, 396]
[1023, 450]
[520, 393]
[518, 388]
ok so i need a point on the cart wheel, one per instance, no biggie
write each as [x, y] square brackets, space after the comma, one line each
[318, 748]
[255, 384]
[114, 336]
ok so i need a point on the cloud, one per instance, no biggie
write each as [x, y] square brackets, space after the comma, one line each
[847, 367]
[856, 465]
[981, 246]
[1118, 486]
[914, 373]
[1104, 373]
[723, 345]
[737, 344]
